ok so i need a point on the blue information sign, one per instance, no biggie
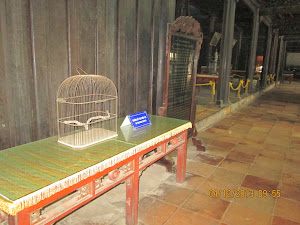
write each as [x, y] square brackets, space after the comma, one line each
[137, 120]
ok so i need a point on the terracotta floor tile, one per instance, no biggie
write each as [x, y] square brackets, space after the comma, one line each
[237, 134]
[205, 141]
[281, 221]
[250, 142]
[263, 124]
[287, 209]
[269, 163]
[223, 127]
[216, 188]
[198, 168]
[206, 206]
[291, 167]
[229, 138]
[171, 194]
[260, 171]
[260, 129]
[296, 128]
[240, 157]
[213, 150]
[272, 154]
[296, 134]
[276, 148]
[155, 212]
[282, 141]
[209, 159]
[259, 134]
[191, 181]
[223, 144]
[235, 166]
[291, 178]
[185, 217]
[255, 200]
[227, 176]
[208, 135]
[227, 122]
[293, 156]
[248, 149]
[241, 127]
[289, 191]
[244, 124]
[256, 138]
[250, 118]
[280, 132]
[295, 146]
[242, 215]
[295, 140]
[220, 132]
[258, 183]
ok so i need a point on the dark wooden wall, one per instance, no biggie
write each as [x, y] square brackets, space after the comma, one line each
[43, 41]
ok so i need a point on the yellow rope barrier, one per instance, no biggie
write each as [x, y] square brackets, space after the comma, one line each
[247, 83]
[210, 83]
[270, 78]
[213, 88]
[237, 88]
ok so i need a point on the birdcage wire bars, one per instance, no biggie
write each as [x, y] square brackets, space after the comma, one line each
[86, 110]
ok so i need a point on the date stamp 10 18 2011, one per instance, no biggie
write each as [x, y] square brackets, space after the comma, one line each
[241, 193]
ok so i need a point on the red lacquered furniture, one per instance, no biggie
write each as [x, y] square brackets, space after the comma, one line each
[43, 181]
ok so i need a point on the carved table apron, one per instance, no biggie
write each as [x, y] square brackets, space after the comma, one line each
[43, 181]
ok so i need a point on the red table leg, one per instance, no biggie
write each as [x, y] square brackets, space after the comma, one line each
[12, 220]
[181, 160]
[132, 195]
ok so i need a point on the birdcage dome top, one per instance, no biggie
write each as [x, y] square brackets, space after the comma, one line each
[85, 85]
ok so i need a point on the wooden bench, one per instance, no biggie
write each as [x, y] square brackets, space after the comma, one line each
[287, 76]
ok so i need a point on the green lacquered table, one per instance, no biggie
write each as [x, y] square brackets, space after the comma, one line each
[34, 176]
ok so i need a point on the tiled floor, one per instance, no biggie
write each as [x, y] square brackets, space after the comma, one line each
[250, 156]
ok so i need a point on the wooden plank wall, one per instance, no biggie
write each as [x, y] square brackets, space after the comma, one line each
[42, 43]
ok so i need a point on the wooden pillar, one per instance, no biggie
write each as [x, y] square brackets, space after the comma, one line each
[284, 56]
[238, 50]
[253, 47]
[267, 57]
[274, 52]
[210, 35]
[280, 55]
[226, 51]
[161, 55]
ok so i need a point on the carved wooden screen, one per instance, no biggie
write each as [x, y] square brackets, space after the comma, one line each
[183, 48]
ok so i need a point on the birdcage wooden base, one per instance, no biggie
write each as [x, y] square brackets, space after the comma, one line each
[86, 138]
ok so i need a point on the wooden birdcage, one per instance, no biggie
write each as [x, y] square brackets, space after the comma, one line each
[86, 110]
